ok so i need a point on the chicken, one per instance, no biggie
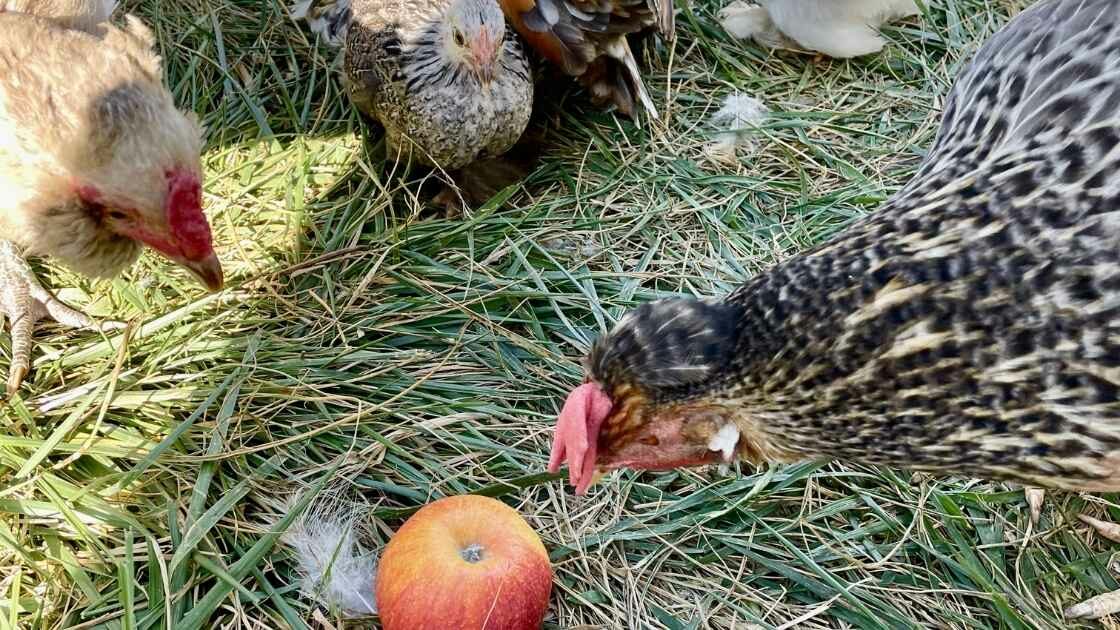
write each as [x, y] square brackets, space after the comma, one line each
[837, 28]
[588, 39]
[95, 163]
[80, 14]
[971, 326]
[448, 83]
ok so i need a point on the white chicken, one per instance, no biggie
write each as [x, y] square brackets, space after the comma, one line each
[837, 28]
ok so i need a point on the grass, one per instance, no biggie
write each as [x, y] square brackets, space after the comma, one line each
[366, 350]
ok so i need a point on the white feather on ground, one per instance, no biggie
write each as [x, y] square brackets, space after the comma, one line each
[337, 571]
[739, 115]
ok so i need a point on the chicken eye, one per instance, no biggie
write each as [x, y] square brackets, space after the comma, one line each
[460, 40]
[117, 215]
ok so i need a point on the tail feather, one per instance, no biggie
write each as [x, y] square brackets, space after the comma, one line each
[666, 18]
[620, 50]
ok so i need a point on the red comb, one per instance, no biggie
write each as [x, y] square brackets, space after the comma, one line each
[577, 434]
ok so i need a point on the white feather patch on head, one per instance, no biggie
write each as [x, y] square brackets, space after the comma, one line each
[725, 440]
[337, 571]
[328, 20]
[739, 114]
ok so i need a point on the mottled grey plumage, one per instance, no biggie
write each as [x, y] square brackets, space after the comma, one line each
[407, 64]
[970, 326]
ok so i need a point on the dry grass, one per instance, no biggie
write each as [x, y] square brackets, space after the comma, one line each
[367, 349]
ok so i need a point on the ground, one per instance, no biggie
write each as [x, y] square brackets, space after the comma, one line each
[371, 349]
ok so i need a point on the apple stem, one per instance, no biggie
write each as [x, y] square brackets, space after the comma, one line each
[472, 553]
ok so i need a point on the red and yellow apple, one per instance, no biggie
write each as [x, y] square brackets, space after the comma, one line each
[464, 563]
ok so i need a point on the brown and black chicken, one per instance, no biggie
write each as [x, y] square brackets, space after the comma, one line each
[587, 39]
[970, 326]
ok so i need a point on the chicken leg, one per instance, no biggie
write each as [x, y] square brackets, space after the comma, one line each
[24, 301]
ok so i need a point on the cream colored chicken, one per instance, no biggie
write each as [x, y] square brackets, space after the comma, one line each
[96, 162]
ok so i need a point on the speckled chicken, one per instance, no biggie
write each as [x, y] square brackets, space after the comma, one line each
[95, 163]
[970, 326]
[587, 39]
[837, 28]
[444, 77]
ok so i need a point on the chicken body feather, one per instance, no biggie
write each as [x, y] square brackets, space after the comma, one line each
[837, 28]
[587, 39]
[80, 14]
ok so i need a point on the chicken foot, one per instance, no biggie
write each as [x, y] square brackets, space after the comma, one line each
[24, 302]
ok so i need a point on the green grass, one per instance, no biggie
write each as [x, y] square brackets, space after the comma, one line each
[367, 350]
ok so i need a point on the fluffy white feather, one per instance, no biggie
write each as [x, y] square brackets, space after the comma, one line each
[725, 441]
[838, 28]
[337, 571]
[739, 114]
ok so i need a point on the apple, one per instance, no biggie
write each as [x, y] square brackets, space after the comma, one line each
[464, 563]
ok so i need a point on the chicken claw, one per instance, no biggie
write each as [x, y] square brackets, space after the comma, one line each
[24, 301]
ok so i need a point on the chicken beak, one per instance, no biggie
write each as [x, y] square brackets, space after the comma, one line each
[486, 73]
[484, 58]
[208, 271]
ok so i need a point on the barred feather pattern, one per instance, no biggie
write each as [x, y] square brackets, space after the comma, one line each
[969, 326]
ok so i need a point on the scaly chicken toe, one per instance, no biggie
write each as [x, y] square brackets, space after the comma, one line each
[24, 301]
